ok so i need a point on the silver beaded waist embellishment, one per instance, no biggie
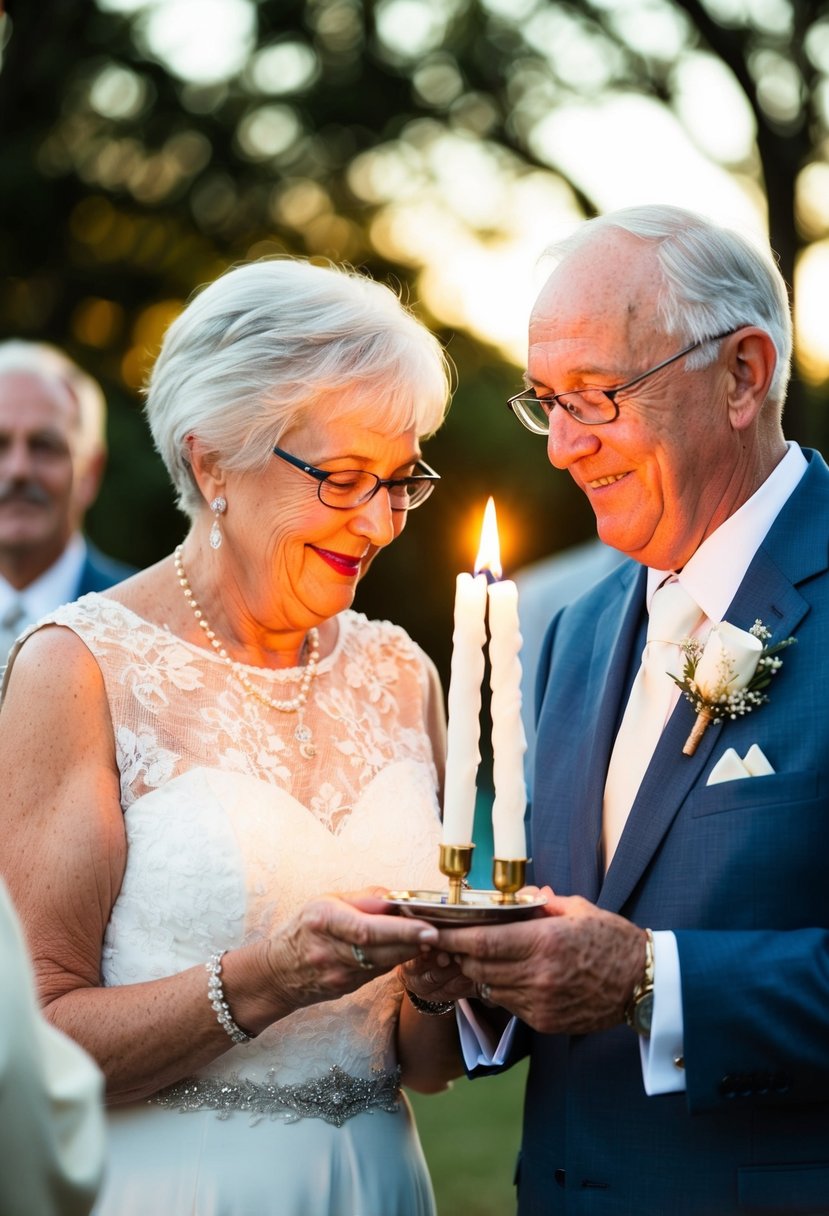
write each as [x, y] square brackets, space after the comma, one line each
[334, 1097]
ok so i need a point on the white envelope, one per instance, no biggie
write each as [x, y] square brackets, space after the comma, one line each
[730, 767]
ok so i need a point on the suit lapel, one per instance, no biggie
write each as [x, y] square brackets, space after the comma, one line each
[795, 550]
[606, 686]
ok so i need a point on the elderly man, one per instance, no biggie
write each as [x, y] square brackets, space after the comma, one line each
[52, 456]
[674, 999]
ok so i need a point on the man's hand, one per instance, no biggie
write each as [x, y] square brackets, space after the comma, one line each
[570, 971]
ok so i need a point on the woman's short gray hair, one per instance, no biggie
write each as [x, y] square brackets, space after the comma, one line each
[270, 343]
[713, 280]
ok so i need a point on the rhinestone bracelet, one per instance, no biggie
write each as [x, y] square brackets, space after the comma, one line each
[216, 996]
[433, 1009]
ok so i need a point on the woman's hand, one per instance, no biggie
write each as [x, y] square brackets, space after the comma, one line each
[435, 976]
[333, 946]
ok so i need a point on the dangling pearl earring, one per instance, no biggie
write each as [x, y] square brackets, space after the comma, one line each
[218, 506]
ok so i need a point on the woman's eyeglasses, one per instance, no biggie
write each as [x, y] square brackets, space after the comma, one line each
[347, 488]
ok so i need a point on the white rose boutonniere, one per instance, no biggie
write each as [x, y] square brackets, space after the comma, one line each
[727, 677]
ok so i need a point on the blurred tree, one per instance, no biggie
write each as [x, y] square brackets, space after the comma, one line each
[148, 144]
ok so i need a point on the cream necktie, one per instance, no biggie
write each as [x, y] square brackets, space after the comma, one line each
[11, 624]
[673, 616]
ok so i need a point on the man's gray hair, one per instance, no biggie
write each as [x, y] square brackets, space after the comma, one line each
[49, 362]
[273, 342]
[713, 280]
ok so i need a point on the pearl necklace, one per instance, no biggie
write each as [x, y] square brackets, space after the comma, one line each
[302, 733]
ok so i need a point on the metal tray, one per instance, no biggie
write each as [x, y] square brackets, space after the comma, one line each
[475, 908]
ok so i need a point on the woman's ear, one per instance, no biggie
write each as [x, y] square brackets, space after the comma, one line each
[752, 362]
[208, 473]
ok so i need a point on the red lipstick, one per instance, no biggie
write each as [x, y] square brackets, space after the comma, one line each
[342, 563]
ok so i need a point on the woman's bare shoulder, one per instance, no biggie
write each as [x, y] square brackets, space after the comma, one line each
[54, 685]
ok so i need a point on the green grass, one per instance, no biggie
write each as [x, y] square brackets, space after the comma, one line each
[470, 1134]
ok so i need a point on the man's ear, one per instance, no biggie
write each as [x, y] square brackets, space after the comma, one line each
[89, 472]
[752, 360]
[207, 471]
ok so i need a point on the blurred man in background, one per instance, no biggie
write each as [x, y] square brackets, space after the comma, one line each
[52, 457]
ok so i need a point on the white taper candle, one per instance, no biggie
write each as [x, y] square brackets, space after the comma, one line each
[508, 740]
[464, 706]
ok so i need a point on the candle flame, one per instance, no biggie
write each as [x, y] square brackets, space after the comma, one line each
[489, 552]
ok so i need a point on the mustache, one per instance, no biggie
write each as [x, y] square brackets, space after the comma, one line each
[23, 491]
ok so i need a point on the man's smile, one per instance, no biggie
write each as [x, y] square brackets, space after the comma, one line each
[606, 481]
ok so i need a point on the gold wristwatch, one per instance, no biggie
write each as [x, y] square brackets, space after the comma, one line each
[639, 1012]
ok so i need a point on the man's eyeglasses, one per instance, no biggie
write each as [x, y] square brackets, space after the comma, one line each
[590, 406]
[347, 488]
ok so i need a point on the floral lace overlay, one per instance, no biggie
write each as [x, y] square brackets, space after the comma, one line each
[230, 829]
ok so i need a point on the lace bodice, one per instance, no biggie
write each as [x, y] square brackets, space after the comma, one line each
[230, 827]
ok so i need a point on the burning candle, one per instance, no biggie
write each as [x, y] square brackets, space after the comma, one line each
[508, 740]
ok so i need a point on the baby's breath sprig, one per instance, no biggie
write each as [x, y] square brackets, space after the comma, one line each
[735, 680]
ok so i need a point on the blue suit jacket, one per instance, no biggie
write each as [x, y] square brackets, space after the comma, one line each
[740, 872]
[100, 572]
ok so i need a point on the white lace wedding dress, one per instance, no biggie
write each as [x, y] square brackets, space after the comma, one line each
[230, 828]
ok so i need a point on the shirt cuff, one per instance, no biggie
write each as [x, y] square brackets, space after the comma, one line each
[661, 1071]
[478, 1041]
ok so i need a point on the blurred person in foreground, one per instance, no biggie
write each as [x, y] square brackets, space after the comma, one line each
[198, 758]
[674, 999]
[51, 1110]
[52, 458]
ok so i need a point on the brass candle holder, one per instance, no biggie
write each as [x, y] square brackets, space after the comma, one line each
[508, 877]
[455, 862]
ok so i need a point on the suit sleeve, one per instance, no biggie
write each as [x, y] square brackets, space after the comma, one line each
[754, 1010]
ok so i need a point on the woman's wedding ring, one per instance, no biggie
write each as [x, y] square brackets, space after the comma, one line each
[485, 992]
[362, 959]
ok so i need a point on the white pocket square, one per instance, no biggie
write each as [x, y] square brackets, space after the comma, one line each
[730, 767]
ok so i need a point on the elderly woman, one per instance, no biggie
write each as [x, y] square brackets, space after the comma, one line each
[193, 759]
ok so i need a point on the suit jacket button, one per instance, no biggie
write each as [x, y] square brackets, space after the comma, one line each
[728, 1086]
[761, 1082]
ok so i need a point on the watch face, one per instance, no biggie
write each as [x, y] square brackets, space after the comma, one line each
[643, 1014]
